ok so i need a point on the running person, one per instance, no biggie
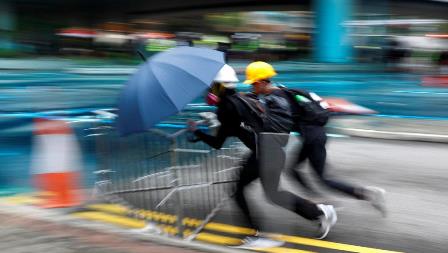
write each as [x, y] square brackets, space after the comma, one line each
[231, 125]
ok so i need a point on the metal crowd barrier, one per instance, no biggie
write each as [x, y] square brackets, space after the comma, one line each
[161, 172]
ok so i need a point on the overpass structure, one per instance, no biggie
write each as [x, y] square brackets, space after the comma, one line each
[330, 43]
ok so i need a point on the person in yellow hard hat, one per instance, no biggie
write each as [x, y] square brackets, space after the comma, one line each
[313, 141]
[259, 70]
[259, 74]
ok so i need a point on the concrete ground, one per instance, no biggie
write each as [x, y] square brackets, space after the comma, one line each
[414, 175]
[31, 230]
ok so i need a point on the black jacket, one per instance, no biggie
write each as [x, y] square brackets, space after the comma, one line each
[231, 124]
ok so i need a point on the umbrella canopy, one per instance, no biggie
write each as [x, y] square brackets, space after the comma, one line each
[164, 85]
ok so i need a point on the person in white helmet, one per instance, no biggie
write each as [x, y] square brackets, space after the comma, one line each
[223, 94]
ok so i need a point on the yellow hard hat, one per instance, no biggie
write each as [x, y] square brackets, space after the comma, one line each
[257, 71]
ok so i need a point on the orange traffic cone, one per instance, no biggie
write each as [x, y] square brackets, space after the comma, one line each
[56, 163]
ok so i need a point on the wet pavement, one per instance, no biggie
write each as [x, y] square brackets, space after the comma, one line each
[413, 174]
[19, 234]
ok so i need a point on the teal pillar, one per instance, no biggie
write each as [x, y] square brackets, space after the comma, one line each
[331, 39]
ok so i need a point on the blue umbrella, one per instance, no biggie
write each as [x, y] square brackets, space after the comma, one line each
[164, 85]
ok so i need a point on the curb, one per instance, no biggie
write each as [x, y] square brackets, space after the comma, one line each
[389, 135]
[55, 216]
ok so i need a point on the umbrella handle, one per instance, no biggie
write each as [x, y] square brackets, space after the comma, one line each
[141, 55]
[175, 134]
[182, 131]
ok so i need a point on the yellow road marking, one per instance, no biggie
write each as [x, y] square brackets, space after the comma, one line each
[231, 229]
[33, 198]
[230, 241]
[169, 229]
[329, 245]
[205, 237]
[23, 200]
[146, 213]
[218, 239]
[122, 210]
[282, 250]
[135, 223]
[168, 218]
[122, 221]
[111, 218]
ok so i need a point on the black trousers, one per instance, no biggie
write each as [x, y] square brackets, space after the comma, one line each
[313, 149]
[270, 183]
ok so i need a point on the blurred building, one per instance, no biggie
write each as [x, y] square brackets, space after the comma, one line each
[324, 30]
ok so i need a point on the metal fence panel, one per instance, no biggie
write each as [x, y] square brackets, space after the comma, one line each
[161, 172]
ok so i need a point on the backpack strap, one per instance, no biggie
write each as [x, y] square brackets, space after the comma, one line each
[250, 115]
[258, 108]
[293, 92]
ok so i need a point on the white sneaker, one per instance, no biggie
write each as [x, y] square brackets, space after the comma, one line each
[253, 242]
[327, 220]
[375, 196]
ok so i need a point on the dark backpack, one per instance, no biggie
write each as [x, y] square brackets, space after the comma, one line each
[307, 108]
[272, 115]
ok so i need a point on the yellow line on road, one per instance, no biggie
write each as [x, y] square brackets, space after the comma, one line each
[218, 239]
[122, 210]
[230, 241]
[135, 223]
[329, 245]
[231, 229]
[167, 218]
[282, 250]
[23, 200]
[33, 198]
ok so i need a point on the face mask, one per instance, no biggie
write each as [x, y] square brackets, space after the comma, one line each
[212, 99]
[229, 85]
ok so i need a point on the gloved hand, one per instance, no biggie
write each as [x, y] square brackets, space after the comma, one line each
[192, 125]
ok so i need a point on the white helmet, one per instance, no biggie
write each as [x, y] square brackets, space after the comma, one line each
[226, 75]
